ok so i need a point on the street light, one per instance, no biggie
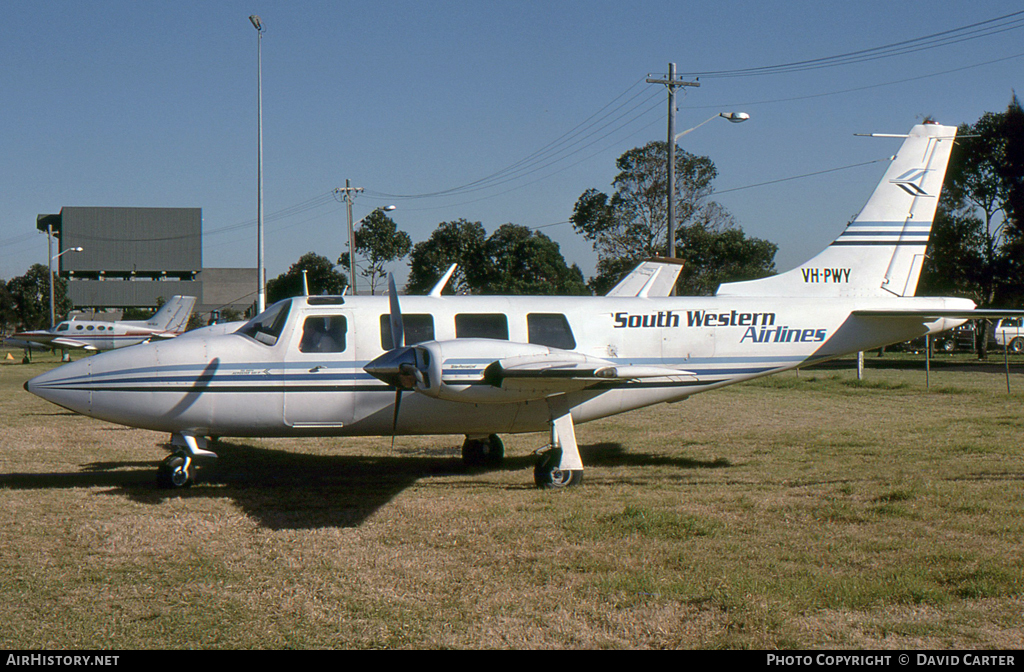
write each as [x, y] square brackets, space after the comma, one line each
[261, 289]
[734, 117]
[53, 317]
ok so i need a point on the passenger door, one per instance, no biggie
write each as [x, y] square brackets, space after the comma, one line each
[320, 371]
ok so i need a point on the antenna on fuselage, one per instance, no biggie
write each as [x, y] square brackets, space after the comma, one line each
[436, 291]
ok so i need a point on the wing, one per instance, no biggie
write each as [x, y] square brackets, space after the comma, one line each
[549, 375]
[70, 344]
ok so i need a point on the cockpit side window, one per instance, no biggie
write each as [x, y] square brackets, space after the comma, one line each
[267, 326]
[63, 326]
[324, 334]
[419, 327]
[481, 325]
[550, 329]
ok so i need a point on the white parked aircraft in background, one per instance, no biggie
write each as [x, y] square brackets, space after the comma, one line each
[168, 322]
[486, 365]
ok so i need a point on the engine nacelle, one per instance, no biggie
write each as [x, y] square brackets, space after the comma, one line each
[473, 370]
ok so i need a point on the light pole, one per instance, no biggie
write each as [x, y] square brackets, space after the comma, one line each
[261, 290]
[53, 317]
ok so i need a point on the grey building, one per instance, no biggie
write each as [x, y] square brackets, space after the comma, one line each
[131, 257]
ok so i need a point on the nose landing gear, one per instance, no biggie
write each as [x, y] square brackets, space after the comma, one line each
[178, 469]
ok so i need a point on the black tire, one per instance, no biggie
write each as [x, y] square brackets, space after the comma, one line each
[948, 345]
[172, 474]
[548, 476]
[489, 452]
[1017, 345]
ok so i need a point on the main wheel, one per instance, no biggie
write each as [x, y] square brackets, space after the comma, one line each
[1017, 345]
[489, 452]
[173, 473]
[548, 476]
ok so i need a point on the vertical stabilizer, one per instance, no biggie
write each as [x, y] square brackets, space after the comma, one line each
[173, 315]
[881, 252]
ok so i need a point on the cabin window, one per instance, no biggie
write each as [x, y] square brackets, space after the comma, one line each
[419, 327]
[550, 329]
[78, 327]
[324, 334]
[481, 325]
[267, 326]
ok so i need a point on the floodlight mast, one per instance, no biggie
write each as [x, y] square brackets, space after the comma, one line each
[261, 286]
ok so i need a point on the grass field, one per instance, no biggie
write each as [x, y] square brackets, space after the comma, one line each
[801, 510]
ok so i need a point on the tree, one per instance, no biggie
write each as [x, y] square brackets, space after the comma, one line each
[717, 256]
[632, 224]
[379, 242]
[460, 242]
[30, 296]
[320, 275]
[8, 316]
[977, 236]
[522, 261]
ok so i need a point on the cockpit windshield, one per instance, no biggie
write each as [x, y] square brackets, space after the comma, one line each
[266, 327]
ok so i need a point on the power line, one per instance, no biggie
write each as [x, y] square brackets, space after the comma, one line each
[973, 31]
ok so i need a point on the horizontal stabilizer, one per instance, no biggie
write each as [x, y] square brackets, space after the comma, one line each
[652, 278]
[966, 314]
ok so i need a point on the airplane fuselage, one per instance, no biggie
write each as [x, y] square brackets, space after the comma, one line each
[240, 384]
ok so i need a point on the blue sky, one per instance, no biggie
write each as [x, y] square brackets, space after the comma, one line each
[154, 104]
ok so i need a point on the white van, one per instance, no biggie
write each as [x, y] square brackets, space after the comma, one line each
[1010, 330]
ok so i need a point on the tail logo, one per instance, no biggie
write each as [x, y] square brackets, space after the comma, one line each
[910, 181]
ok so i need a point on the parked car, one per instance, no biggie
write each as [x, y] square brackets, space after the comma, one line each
[1009, 333]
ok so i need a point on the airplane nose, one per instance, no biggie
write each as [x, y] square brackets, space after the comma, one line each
[65, 386]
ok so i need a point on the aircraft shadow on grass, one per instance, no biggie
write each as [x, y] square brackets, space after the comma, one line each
[286, 490]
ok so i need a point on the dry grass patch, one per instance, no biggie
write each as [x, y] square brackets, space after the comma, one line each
[791, 512]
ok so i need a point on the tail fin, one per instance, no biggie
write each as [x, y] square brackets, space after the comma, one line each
[173, 315]
[882, 250]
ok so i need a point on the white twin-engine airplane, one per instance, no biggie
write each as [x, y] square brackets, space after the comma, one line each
[486, 365]
[168, 322]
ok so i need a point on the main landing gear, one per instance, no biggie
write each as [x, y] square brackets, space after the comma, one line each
[178, 469]
[488, 451]
[559, 464]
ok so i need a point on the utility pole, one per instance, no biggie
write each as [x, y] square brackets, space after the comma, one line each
[671, 83]
[346, 193]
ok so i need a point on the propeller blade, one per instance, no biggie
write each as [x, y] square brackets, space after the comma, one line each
[397, 326]
[394, 421]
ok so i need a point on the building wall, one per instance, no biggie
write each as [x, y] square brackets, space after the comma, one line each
[127, 293]
[122, 241]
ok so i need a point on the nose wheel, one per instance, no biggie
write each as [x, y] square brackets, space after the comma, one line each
[176, 471]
